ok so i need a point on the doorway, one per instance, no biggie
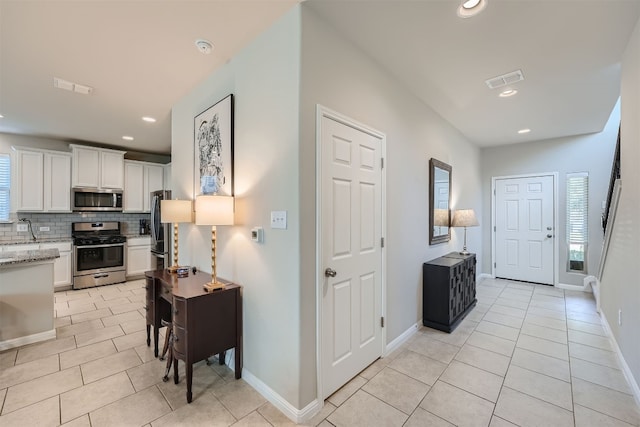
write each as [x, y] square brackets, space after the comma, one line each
[524, 228]
[350, 268]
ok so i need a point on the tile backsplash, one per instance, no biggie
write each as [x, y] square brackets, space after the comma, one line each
[60, 224]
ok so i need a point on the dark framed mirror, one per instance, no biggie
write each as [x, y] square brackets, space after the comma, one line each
[439, 202]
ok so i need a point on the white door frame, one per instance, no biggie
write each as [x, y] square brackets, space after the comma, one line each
[321, 112]
[556, 254]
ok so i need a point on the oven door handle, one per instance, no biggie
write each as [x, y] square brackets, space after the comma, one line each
[108, 245]
[100, 275]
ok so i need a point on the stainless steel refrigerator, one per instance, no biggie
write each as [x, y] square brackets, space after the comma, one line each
[160, 235]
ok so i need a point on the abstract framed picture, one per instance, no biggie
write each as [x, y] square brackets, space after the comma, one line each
[213, 140]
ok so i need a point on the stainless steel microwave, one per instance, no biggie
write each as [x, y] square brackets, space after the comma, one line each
[93, 199]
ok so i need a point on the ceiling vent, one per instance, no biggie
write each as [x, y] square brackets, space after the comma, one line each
[70, 86]
[505, 79]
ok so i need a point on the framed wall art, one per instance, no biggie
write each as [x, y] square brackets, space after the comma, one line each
[213, 139]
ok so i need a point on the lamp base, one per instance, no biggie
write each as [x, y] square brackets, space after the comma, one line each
[464, 252]
[213, 286]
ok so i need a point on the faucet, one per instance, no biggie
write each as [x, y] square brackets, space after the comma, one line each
[28, 221]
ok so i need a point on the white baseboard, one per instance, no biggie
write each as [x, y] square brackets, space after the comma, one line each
[396, 343]
[29, 339]
[623, 363]
[485, 276]
[571, 287]
[294, 414]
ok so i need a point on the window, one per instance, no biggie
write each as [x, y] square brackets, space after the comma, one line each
[5, 186]
[577, 221]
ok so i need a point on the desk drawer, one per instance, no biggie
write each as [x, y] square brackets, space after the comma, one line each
[179, 339]
[179, 311]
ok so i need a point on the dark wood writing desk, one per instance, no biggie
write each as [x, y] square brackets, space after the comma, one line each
[204, 323]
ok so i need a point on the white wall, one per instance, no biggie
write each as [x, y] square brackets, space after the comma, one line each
[264, 79]
[591, 153]
[337, 75]
[620, 287]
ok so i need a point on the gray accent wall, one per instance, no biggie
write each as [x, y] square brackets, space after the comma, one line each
[277, 81]
[591, 153]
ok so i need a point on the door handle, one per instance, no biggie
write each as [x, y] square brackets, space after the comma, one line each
[549, 236]
[330, 272]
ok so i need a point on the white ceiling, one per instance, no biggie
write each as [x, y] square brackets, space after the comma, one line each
[140, 58]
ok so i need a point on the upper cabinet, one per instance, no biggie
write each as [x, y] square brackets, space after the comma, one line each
[97, 167]
[42, 181]
[140, 179]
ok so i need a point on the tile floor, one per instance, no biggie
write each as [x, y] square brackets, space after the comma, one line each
[526, 355]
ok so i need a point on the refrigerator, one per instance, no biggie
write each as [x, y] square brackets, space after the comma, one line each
[160, 234]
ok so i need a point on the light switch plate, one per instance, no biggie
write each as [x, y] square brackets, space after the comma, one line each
[279, 219]
[21, 227]
[257, 234]
[44, 229]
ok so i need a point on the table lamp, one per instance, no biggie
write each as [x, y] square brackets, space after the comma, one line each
[213, 211]
[464, 218]
[175, 211]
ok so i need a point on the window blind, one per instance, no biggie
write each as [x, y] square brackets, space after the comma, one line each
[577, 207]
[5, 186]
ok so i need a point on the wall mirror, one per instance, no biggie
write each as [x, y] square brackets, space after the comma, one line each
[439, 202]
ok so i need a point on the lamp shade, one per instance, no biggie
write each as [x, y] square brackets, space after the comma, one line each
[441, 217]
[175, 211]
[464, 218]
[214, 210]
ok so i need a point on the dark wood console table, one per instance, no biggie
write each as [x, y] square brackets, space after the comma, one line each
[448, 290]
[203, 323]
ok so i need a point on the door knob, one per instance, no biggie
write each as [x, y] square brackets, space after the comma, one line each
[549, 228]
[549, 235]
[330, 272]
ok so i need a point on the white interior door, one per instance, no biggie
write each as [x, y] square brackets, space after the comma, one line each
[524, 232]
[351, 232]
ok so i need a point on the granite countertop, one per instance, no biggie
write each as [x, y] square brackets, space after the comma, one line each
[39, 240]
[21, 257]
[133, 235]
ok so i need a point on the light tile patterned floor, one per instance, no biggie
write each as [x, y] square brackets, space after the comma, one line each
[526, 355]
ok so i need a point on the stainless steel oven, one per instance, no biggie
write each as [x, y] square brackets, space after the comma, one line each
[99, 252]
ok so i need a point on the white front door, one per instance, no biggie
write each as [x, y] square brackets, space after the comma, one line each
[351, 232]
[524, 232]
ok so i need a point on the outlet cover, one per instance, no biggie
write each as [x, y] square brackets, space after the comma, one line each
[21, 227]
[279, 219]
[44, 229]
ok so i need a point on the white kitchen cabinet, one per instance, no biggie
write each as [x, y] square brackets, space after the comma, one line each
[62, 267]
[154, 178]
[29, 180]
[97, 167]
[43, 181]
[57, 182]
[141, 179]
[133, 187]
[138, 255]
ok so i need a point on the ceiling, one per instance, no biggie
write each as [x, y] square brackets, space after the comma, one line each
[140, 58]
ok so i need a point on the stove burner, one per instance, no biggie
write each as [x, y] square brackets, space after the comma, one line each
[96, 233]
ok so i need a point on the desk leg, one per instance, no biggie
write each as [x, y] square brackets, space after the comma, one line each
[148, 335]
[155, 341]
[189, 369]
[238, 362]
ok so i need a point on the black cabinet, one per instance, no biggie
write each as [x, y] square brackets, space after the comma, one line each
[448, 290]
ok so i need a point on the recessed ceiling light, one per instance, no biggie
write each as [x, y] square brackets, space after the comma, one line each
[521, 131]
[204, 46]
[507, 93]
[149, 119]
[470, 8]
[127, 138]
